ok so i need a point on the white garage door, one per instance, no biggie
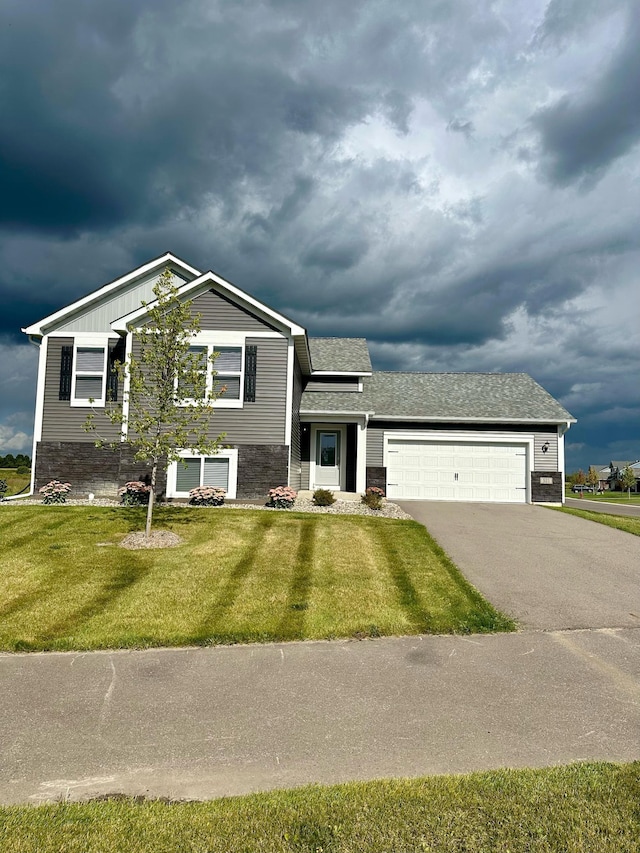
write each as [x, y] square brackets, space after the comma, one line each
[456, 471]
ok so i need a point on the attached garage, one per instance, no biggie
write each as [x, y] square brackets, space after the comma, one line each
[474, 468]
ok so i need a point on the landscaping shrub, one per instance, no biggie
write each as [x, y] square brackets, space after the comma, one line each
[55, 492]
[23, 471]
[135, 493]
[4, 486]
[323, 497]
[373, 497]
[207, 496]
[282, 497]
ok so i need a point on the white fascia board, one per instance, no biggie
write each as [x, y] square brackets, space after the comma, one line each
[36, 328]
[428, 419]
[354, 373]
[328, 414]
[203, 283]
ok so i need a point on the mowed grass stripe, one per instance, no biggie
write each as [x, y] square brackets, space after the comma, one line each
[583, 808]
[239, 576]
[626, 523]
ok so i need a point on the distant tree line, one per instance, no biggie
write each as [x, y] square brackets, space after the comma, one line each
[18, 461]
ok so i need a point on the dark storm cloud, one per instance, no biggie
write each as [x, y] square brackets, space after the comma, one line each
[366, 168]
[583, 133]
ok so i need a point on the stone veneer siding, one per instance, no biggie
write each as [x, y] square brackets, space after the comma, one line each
[377, 476]
[546, 492]
[91, 469]
[261, 467]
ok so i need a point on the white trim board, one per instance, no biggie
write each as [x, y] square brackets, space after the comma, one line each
[230, 454]
[328, 427]
[211, 281]
[97, 295]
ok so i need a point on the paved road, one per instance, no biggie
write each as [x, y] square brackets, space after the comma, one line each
[610, 509]
[549, 570]
[202, 723]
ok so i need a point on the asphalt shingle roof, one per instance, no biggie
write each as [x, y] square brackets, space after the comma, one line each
[340, 354]
[450, 396]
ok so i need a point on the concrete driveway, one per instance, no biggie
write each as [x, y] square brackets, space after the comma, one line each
[548, 570]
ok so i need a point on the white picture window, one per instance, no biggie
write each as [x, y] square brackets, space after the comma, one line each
[224, 377]
[89, 375]
[192, 471]
[228, 379]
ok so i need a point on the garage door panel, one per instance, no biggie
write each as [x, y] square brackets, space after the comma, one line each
[485, 472]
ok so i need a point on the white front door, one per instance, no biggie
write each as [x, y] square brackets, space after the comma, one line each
[328, 461]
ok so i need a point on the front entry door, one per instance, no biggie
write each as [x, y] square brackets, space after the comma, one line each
[328, 459]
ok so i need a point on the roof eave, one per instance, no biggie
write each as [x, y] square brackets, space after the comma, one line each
[203, 282]
[444, 419]
[39, 328]
[341, 373]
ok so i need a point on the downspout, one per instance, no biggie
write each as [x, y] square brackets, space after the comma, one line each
[36, 342]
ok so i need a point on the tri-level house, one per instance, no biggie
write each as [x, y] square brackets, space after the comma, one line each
[297, 410]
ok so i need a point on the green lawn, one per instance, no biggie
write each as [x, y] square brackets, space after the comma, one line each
[582, 808]
[240, 576]
[628, 523]
[15, 482]
[606, 497]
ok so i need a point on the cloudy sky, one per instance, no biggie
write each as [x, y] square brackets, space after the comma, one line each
[456, 180]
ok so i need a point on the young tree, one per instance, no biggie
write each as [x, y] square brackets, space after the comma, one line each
[628, 480]
[168, 400]
[580, 478]
[592, 478]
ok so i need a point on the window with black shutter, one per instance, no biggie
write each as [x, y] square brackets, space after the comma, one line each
[66, 372]
[250, 362]
[116, 356]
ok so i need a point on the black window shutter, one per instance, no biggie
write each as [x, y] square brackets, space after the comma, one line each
[66, 366]
[250, 358]
[116, 353]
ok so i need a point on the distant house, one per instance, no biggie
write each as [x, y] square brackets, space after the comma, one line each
[604, 473]
[615, 476]
[297, 410]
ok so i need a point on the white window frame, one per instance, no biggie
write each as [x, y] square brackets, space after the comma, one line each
[90, 342]
[214, 340]
[230, 454]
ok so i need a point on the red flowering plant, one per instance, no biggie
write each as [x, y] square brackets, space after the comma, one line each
[55, 492]
[135, 493]
[282, 497]
[207, 496]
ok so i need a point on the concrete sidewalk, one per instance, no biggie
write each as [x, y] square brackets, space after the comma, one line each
[203, 723]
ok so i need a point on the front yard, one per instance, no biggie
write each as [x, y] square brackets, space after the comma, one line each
[239, 576]
[628, 523]
[583, 808]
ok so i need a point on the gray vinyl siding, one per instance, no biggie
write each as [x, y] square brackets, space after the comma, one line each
[60, 420]
[541, 462]
[545, 461]
[374, 446]
[218, 313]
[304, 477]
[295, 464]
[100, 317]
[331, 384]
[262, 422]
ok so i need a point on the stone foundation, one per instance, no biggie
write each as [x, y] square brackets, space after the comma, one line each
[377, 476]
[543, 491]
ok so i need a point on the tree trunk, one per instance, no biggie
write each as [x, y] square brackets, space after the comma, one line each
[152, 494]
